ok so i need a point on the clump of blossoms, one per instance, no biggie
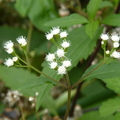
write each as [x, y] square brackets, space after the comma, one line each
[12, 97]
[115, 44]
[9, 48]
[58, 60]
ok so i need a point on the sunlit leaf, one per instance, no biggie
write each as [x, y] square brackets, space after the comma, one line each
[103, 71]
[73, 19]
[109, 107]
[112, 20]
[91, 28]
[15, 77]
[92, 8]
[113, 84]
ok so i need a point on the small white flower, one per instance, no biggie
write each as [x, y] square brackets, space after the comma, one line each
[116, 44]
[107, 52]
[9, 44]
[60, 53]
[63, 34]
[55, 30]
[115, 38]
[53, 65]
[9, 51]
[21, 40]
[115, 54]
[102, 42]
[9, 62]
[15, 59]
[31, 98]
[12, 97]
[104, 36]
[67, 63]
[49, 36]
[50, 57]
[61, 70]
[65, 44]
[37, 93]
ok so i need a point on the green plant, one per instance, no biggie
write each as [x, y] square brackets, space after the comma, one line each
[73, 50]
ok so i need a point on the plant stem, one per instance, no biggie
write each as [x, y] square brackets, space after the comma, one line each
[35, 69]
[69, 97]
[22, 113]
[27, 59]
[80, 80]
[29, 36]
[68, 105]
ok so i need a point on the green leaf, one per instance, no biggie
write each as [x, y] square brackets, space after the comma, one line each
[92, 8]
[14, 77]
[38, 11]
[41, 12]
[73, 19]
[109, 107]
[103, 71]
[94, 116]
[93, 93]
[91, 28]
[112, 20]
[23, 6]
[81, 44]
[105, 4]
[113, 84]
[44, 89]
[35, 82]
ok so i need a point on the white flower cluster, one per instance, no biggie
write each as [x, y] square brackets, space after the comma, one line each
[115, 40]
[57, 60]
[9, 48]
[12, 97]
[56, 31]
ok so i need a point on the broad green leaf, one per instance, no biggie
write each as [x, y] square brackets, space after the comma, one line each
[91, 28]
[14, 77]
[38, 11]
[42, 11]
[94, 116]
[109, 107]
[81, 44]
[23, 6]
[92, 8]
[105, 4]
[113, 84]
[73, 19]
[44, 89]
[93, 93]
[35, 82]
[112, 20]
[103, 71]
